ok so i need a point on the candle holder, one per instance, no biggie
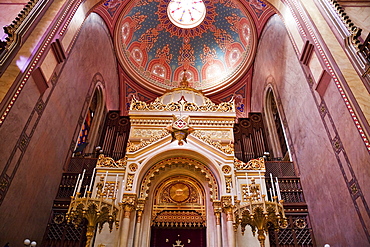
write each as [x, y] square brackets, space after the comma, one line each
[259, 214]
[97, 212]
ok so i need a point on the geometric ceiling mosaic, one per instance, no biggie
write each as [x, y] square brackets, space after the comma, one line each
[214, 54]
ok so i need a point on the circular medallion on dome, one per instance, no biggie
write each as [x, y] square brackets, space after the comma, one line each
[186, 13]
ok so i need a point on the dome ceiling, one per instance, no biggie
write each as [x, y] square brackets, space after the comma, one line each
[214, 53]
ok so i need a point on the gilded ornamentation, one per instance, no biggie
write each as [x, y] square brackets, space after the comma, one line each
[133, 167]
[179, 218]
[130, 181]
[129, 199]
[217, 208]
[260, 216]
[229, 184]
[226, 202]
[180, 128]
[209, 106]
[254, 164]
[226, 169]
[227, 149]
[217, 134]
[132, 147]
[185, 162]
[300, 223]
[110, 190]
[105, 161]
[146, 133]
[96, 210]
[179, 192]
[259, 213]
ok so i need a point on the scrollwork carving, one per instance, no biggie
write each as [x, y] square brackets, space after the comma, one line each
[156, 105]
[254, 164]
[105, 161]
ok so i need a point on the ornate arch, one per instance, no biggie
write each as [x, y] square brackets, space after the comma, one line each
[188, 163]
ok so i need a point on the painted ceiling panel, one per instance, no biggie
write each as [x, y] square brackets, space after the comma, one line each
[155, 52]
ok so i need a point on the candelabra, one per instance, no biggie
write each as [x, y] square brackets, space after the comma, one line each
[259, 213]
[96, 210]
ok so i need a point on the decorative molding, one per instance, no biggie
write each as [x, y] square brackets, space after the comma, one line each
[14, 28]
[227, 149]
[184, 162]
[254, 164]
[105, 161]
[132, 147]
[182, 105]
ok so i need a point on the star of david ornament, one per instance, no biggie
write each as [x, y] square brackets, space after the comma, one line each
[180, 128]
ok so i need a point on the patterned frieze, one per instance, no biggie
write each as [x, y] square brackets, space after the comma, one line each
[217, 134]
[160, 122]
[147, 133]
[205, 121]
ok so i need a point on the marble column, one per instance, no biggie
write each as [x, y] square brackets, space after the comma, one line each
[217, 209]
[128, 205]
[227, 208]
[139, 213]
[230, 227]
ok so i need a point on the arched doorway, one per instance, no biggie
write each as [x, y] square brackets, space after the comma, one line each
[178, 213]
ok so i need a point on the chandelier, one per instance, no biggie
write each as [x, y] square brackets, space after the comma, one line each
[259, 213]
[96, 210]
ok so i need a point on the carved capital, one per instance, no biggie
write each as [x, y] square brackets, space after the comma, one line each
[226, 202]
[129, 202]
[217, 207]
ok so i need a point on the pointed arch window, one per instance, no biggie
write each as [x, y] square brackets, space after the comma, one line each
[275, 127]
[89, 129]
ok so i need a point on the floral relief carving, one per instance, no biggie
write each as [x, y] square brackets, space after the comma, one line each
[227, 149]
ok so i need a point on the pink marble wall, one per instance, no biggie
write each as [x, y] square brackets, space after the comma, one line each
[332, 210]
[26, 208]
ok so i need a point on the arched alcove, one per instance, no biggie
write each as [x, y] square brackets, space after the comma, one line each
[179, 212]
[192, 214]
